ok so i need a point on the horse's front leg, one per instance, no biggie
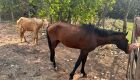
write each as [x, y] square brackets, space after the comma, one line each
[82, 57]
[75, 67]
[83, 66]
[22, 35]
[35, 37]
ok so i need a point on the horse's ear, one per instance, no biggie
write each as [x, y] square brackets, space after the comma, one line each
[43, 19]
[126, 33]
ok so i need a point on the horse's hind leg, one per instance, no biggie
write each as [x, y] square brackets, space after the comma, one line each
[52, 52]
[22, 35]
[82, 57]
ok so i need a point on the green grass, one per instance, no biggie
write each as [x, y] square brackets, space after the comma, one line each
[129, 29]
[119, 24]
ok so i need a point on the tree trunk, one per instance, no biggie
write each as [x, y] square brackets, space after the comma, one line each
[113, 25]
[69, 17]
[103, 15]
[60, 15]
[51, 19]
[125, 23]
[125, 16]
[12, 13]
[0, 17]
[105, 11]
[103, 22]
[98, 22]
[12, 16]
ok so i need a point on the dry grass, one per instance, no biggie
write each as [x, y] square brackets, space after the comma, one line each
[24, 61]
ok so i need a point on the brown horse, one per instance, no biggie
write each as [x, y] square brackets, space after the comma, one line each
[85, 37]
[30, 24]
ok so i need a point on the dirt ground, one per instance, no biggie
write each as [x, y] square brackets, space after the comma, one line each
[24, 61]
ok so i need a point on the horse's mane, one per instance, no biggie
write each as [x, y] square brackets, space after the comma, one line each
[90, 28]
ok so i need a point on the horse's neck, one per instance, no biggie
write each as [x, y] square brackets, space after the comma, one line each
[39, 22]
[104, 40]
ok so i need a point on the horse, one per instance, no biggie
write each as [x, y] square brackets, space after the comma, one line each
[30, 24]
[85, 37]
[133, 61]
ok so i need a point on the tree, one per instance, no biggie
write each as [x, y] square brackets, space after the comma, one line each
[72, 11]
[105, 7]
[127, 7]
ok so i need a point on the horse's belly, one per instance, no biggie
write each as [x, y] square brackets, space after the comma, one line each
[70, 45]
[76, 45]
[29, 29]
[28, 26]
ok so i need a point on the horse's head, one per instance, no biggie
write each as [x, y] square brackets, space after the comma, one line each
[122, 42]
[45, 22]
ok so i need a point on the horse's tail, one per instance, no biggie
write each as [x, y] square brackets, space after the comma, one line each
[19, 24]
[19, 21]
[49, 42]
[48, 37]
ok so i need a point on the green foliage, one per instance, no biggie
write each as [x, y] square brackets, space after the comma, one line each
[120, 6]
[129, 29]
[42, 13]
[74, 11]
[83, 11]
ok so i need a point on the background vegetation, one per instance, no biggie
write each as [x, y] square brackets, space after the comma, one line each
[74, 11]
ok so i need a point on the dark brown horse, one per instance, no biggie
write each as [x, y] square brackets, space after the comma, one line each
[84, 37]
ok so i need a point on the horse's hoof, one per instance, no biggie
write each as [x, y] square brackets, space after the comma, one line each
[85, 75]
[21, 41]
[126, 76]
[25, 41]
[70, 78]
[56, 68]
[34, 43]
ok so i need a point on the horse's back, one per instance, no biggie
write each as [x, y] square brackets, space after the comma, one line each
[62, 30]
[25, 21]
[70, 35]
[27, 24]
